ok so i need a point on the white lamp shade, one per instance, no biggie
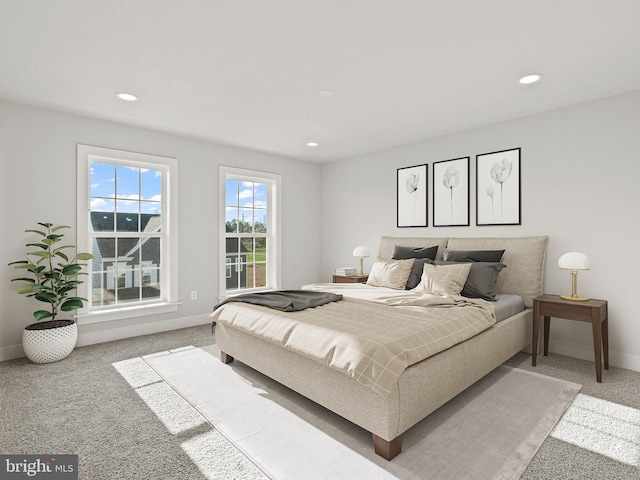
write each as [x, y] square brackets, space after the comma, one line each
[361, 252]
[574, 261]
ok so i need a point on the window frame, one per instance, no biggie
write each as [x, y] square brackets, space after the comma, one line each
[169, 246]
[273, 182]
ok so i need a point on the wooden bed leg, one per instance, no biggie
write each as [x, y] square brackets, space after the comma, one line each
[387, 449]
[225, 358]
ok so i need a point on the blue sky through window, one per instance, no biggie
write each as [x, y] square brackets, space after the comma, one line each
[125, 183]
[125, 189]
[246, 201]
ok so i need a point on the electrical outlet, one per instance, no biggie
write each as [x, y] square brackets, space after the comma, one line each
[194, 295]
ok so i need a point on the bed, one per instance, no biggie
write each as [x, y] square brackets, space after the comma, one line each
[421, 387]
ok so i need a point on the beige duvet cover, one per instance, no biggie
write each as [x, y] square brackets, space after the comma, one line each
[372, 340]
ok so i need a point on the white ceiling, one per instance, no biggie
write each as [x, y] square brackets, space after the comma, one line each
[248, 72]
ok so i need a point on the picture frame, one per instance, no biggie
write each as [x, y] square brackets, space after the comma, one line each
[451, 191]
[498, 188]
[412, 186]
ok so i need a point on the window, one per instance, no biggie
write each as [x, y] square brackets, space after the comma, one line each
[250, 239]
[127, 204]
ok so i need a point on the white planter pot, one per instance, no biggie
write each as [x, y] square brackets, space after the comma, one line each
[49, 344]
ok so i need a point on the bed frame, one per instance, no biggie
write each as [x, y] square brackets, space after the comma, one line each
[424, 386]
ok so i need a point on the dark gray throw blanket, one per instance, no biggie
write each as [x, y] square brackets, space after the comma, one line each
[285, 300]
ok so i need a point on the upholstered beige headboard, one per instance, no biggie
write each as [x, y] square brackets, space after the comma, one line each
[524, 257]
[387, 244]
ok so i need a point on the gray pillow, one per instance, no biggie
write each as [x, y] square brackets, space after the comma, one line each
[416, 272]
[421, 254]
[403, 253]
[473, 255]
[481, 282]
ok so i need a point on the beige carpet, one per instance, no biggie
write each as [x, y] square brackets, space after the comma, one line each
[490, 431]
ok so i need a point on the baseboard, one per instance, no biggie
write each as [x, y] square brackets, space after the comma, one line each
[141, 329]
[16, 351]
[616, 359]
[11, 352]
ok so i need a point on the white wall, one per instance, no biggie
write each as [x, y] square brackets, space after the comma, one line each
[580, 175]
[38, 182]
[580, 168]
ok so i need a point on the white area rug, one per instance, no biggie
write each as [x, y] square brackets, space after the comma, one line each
[490, 431]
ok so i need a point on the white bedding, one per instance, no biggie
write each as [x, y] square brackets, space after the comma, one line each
[372, 339]
[505, 306]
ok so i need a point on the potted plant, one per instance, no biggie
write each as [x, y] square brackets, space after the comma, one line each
[52, 274]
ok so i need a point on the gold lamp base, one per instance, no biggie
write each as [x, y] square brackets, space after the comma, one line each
[575, 298]
[574, 289]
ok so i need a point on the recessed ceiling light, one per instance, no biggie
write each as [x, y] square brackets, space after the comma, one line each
[127, 97]
[312, 144]
[531, 78]
[326, 93]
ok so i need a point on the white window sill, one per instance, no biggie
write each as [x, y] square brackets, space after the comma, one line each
[122, 313]
[234, 293]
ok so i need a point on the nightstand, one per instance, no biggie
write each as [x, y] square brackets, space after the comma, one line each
[590, 311]
[350, 278]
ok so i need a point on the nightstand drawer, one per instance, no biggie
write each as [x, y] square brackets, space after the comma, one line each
[350, 279]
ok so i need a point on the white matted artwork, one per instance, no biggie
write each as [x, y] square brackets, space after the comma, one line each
[498, 188]
[412, 196]
[451, 192]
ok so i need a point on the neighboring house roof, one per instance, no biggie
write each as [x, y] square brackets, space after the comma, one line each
[232, 246]
[103, 221]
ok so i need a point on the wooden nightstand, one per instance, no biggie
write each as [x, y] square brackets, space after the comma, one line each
[590, 311]
[350, 278]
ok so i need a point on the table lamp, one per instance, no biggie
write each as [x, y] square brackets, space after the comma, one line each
[574, 261]
[361, 253]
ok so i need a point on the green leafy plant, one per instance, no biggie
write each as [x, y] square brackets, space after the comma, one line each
[53, 274]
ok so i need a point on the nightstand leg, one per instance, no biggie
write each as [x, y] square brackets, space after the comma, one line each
[547, 321]
[605, 342]
[597, 346]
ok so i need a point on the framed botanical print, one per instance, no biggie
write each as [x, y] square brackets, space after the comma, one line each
[451, 192]
[498, 188]
[412, 196]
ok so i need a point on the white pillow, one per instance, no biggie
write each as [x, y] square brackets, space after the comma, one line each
[390, 273]
[443, 279]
